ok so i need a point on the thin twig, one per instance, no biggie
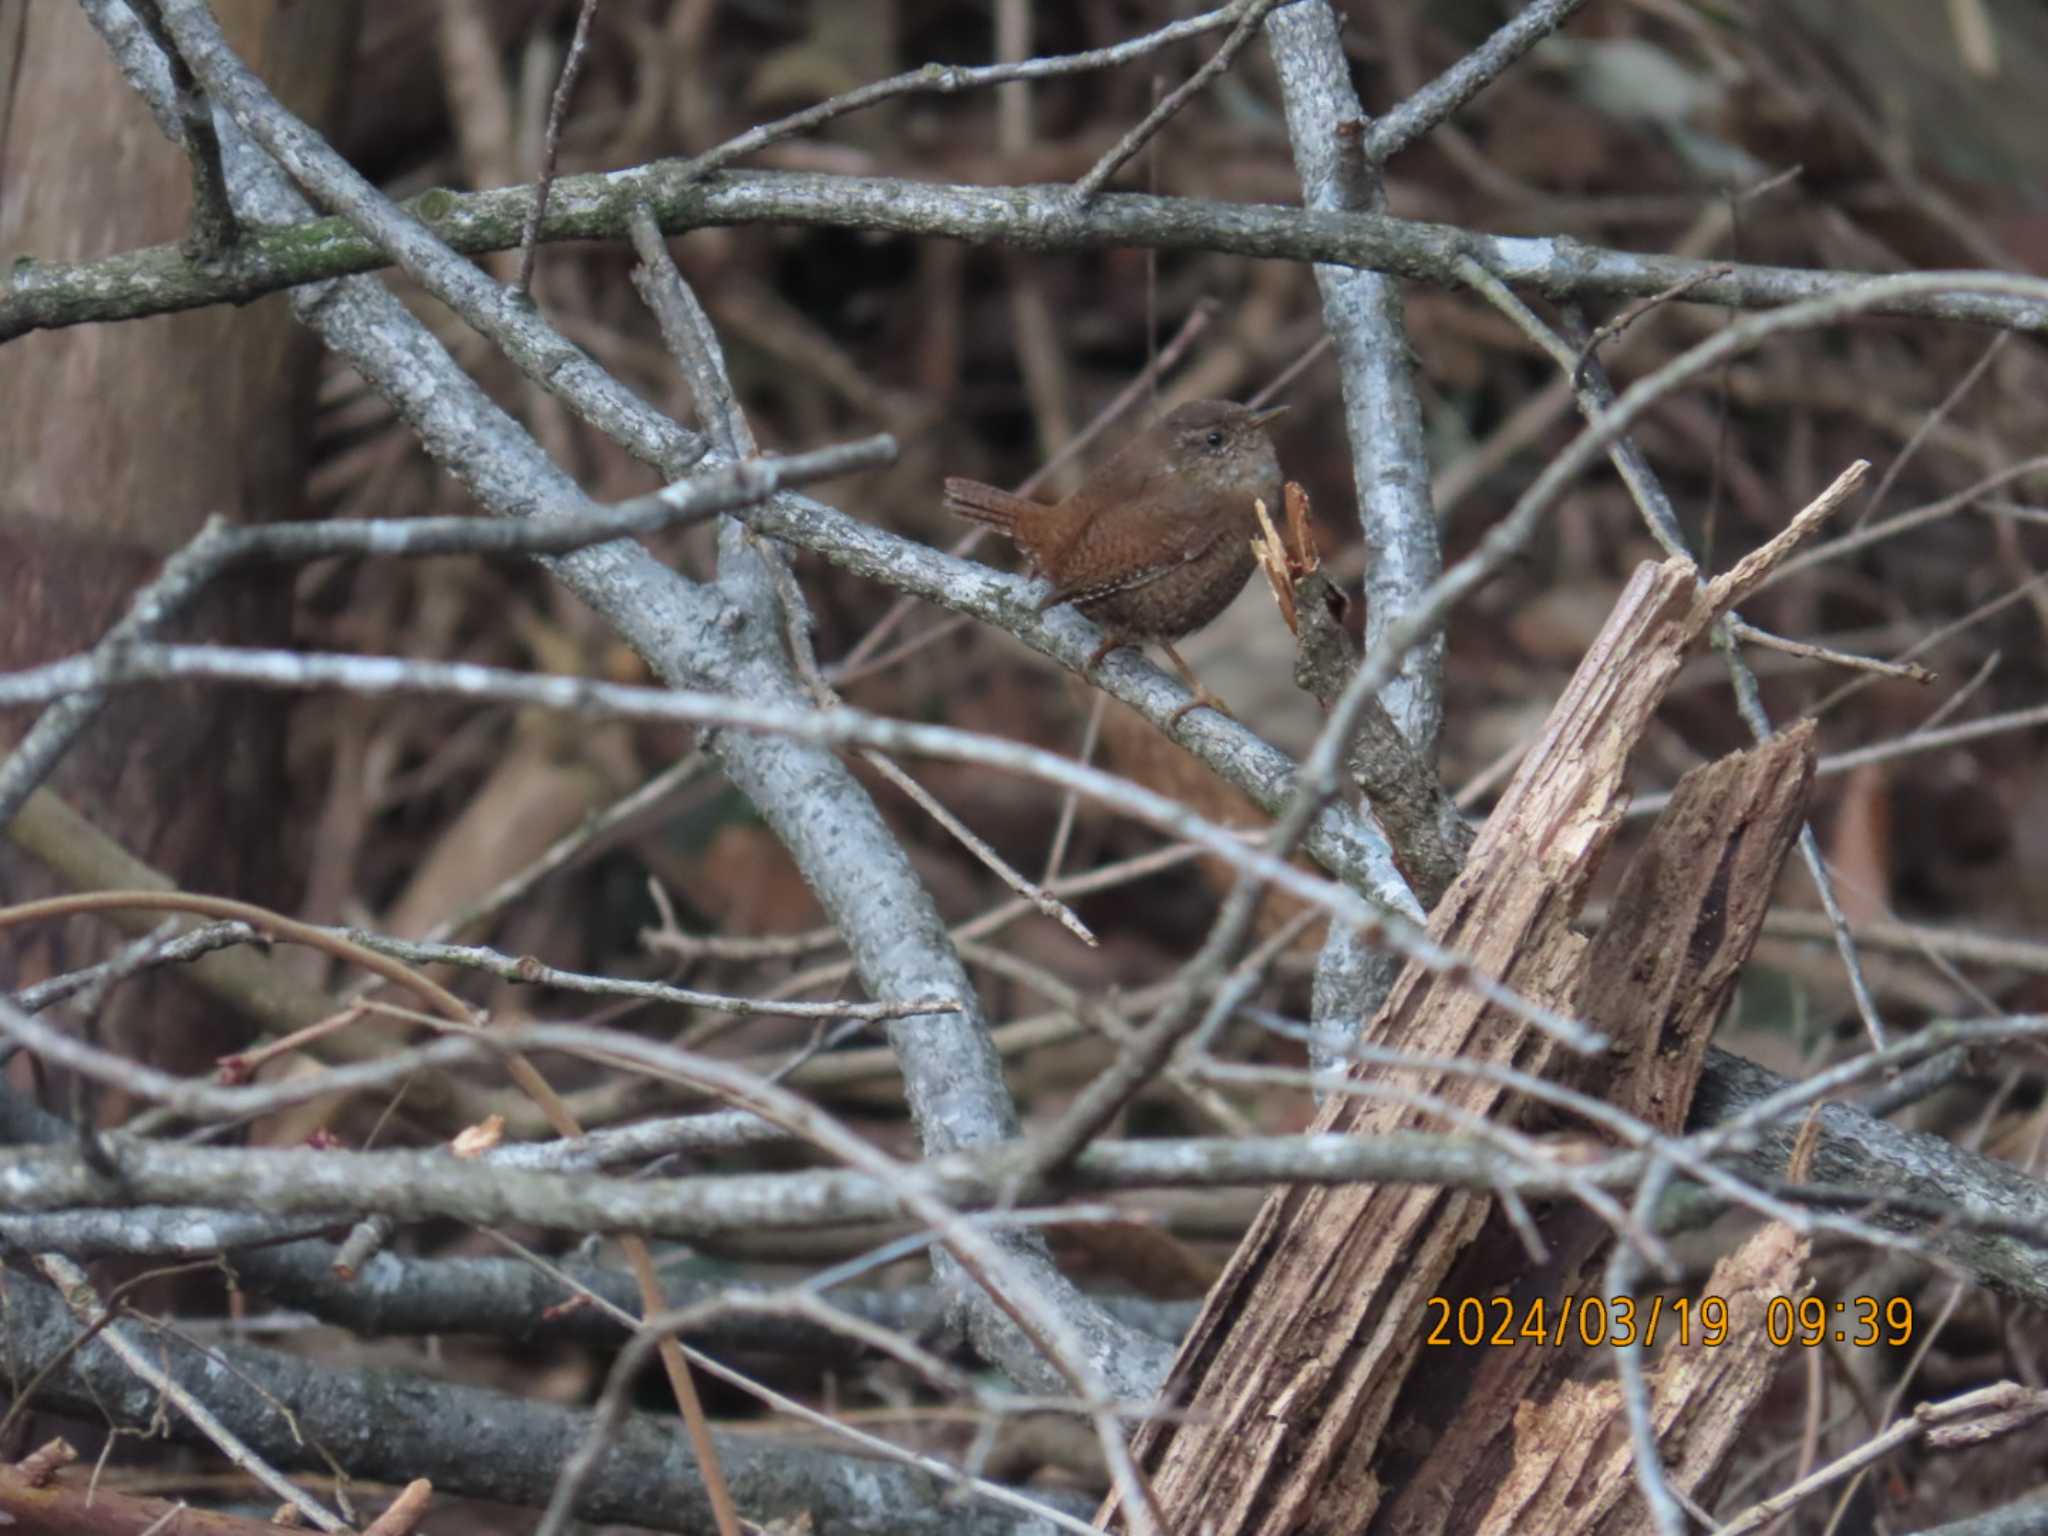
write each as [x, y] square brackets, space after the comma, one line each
[1936, 740]
[528, 971]
[558, 111]
[1103, 1016]
[165, 945]
[1957, 1421]
[1608, 330]
[183, 577]
[370, 675]
[1624, 1268]
[1964, 694]
[740, 946]
[85, 1305]
[1276, 386]
[1927, 424]
[582, 842]
[1905, 671]
[1888, 751]
[1249, 14]
[1042, 901]
[1403, 125]
[1070, 802]
[1936, 636]
[1906, 522]
[220, 544]
[1958, 945]
[947, 79]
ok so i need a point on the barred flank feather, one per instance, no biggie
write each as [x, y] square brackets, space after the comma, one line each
[1082, 595]
[985, 504]
[1126, 581]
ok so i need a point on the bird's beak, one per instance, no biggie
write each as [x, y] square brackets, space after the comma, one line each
[1260, 418]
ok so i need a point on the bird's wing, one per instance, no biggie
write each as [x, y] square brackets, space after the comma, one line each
[1168, 543]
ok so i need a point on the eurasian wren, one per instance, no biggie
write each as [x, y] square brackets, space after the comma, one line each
[1157, 541]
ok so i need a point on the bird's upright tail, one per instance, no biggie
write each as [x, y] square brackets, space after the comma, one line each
[985, 504]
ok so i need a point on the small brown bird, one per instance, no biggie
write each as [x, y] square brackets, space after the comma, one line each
[1157, 541]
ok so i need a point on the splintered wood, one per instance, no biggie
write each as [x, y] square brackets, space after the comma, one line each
[1307, 1403]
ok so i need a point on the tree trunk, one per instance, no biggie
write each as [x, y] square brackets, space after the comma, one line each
[118, 442]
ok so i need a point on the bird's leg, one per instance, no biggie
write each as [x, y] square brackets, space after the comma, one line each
[1202, 695]
[1111, 641]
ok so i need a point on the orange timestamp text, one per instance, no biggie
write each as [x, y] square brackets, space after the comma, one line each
[1622, 1321]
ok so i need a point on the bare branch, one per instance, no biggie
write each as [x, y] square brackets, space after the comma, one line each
[374, 675]
[393, 1427]
[1363, 315]
[86, 1305]
[161, 279]
[829, 824]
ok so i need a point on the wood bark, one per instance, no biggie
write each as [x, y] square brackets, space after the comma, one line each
[1307, 1403]
[119, 442]
[1511, 1430]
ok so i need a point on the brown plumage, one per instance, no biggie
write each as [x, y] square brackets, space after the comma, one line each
[1157, 541]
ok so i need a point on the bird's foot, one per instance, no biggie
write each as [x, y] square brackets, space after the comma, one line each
[1203, 699]
[1113, 642]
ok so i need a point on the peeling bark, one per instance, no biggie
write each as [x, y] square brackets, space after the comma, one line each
[1307, 1396]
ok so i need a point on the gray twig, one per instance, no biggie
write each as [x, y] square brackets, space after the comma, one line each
[374, 675]
[949, 79]
[1436, 101]
[1249, 13]
[558, 111]
[153, 280]
[91, 1312]
[468, 1440]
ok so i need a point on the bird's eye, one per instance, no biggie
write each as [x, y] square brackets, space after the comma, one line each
[1215, 439]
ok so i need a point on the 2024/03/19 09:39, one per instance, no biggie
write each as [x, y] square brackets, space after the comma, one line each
[1500, 1321]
